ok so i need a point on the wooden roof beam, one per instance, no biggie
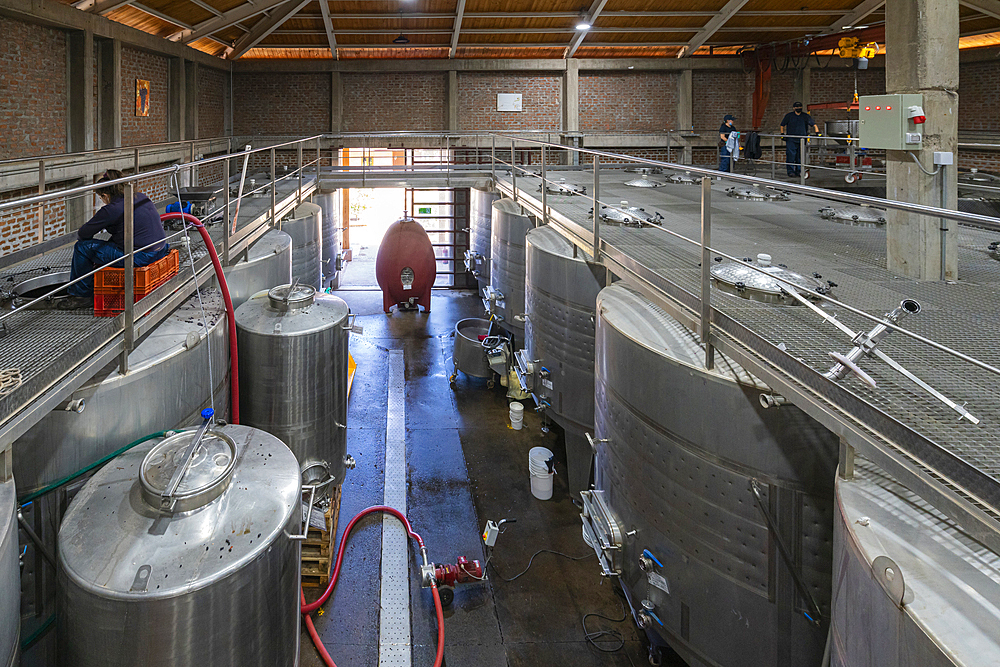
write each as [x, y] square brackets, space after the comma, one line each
[265, 27]
[711, 27]
[101, 6]
[331, 38]
[595, 10]
[228, 19]
[856, 16]
[457, 28]
[988, 7]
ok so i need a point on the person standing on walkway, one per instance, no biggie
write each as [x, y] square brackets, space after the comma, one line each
[795, 124]
[724, 132]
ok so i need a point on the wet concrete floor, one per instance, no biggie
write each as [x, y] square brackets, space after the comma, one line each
[465, 466]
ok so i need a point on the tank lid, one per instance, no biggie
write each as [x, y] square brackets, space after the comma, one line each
[751, 284]
[287, 297]
[206, 477]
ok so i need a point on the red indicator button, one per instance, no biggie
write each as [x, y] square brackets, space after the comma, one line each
[868, 108]
[878, 108]
[888, 108]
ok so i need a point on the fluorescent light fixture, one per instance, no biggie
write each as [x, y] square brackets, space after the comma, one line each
[401, 39]
[583, 25]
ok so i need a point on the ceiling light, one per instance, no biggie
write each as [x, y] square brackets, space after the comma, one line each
[401, 39]
[583, 25]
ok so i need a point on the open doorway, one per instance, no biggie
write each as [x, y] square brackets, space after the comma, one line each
[370, 212]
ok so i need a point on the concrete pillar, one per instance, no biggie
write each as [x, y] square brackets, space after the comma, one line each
[80, 91]
[801, 86]
[452, 97]
[571, 96]
[336, 102]
[190, 100]
[109, 93]
[176, 100]
[922, 57]
[685, 110]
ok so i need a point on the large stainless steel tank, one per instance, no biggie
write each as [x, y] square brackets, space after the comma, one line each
[293, 373]
[506, 291]
[166, 387]
[213, 581]
[10, 584]
[268, 263]
[482, 196]
[691, 471]
[560, 296]
[330, 202]
[305, 226]
[890, 545]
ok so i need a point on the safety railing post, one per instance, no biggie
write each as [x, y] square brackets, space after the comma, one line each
[319, 161]
[803, 160]
[226, 227]
[274, 189]
[706, 272]
[545, 191]
[597, 211]
[774, 154]
[192, 171]
[41, 207]
[493, 157]
[299, 199]
[135, 166]
[851, 157]
[128, 339]
[668, 146]
[513, 171]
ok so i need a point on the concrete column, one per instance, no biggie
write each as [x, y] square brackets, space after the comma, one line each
[685, 110]
[922, 57]
[336, 102]
[191, 100]
[109, 93]
[80, 91]
[452, 101]
[176, 101]
[801, 86]
[571, 96]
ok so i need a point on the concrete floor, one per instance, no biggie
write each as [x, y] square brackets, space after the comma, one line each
[465, 465]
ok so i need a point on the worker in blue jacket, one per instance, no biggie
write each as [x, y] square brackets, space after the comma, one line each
[796, 124]
[90, 253]
[724, 132]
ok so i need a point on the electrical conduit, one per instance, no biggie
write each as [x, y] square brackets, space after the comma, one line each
[307, 609]
[234, 381]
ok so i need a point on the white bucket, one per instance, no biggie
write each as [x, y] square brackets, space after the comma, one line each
[541, 486]
[516, 415]
[516, 423]
[536, 460]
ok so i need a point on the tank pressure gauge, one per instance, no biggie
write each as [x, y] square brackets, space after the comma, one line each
[406, 277]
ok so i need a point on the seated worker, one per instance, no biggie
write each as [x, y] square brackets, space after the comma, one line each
[90, 253]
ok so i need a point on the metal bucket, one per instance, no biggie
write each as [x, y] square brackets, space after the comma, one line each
[469, 355]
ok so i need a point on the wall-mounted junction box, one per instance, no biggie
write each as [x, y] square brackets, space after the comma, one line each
[885, 122]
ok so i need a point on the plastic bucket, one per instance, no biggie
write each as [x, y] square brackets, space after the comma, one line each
[516, 415]
[541, 486]
[537, 457]
[516, 423]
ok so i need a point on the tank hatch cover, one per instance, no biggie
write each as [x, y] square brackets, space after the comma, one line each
[628, 215]
[561, 187]
[284, 297]
[854, 215]
[683, 179]
[643, 181]
[743, 281]
[756, 193]
[977, 177]
[207, 475]
[994, 250]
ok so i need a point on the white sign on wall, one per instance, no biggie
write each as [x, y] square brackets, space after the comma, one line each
[508, 101]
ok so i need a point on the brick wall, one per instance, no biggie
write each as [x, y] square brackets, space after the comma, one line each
[717, 93]
[211, 104]
[19, 226]
[395, 101]
[837, 85]
[780, 101]
[279, 104]
[33, 106]
[979, 96]
[628, 101]
[149, 129]
[541, 101]
[984, 160]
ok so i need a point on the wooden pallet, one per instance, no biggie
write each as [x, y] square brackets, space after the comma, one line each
[317, 549]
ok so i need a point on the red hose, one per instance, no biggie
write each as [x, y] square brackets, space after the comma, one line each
[309, 608]
[234, 364]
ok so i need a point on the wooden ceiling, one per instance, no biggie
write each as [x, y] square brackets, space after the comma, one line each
[504, 28]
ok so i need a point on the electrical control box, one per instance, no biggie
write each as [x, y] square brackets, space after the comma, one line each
[891, 122]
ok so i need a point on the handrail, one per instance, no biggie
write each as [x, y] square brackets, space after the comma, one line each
[93, 151]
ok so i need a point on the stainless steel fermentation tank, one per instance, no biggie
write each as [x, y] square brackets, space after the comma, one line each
[482, 196]
[208, 575]
[305, 226]
[506, 292]
[293, 374]
[561, 290]
[268, 262]
[331, 203]
[10, 583]
[167, 386]
[910, 587]
[717, 513]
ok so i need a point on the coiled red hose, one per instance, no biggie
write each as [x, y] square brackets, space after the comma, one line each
[234, 364]
[309, 608]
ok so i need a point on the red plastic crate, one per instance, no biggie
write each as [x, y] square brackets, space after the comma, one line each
[108, 302]
[147, 278]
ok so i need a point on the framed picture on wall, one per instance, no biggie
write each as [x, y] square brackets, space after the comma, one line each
[141, 97]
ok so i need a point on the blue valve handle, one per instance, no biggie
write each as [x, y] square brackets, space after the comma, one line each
[207, 413]
[647, 553]
[655, 618]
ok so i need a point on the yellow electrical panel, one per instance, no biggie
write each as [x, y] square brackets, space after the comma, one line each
[851, 47]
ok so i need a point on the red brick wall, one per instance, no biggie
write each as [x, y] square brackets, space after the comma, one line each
[628, 101]
[837, 85]
[979, 96]
[33, 105]
[19, 226]
[395, 101]
[541, 101]
[780, 101]
[717, 93]
[211, 104]
[149, 129]
[985, 160]
[279, 104]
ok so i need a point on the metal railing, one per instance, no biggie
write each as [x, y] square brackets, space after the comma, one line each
[966, 494]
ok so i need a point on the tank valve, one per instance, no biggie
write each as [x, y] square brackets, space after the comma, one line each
[77, 405]
[646, 617]
[772, 400]
[647, 560]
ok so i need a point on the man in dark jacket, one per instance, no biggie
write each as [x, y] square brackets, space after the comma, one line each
[796, 124]
[90, 253]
